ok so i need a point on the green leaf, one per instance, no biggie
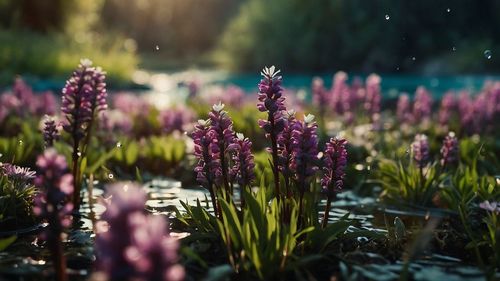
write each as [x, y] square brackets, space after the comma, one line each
[6, 242]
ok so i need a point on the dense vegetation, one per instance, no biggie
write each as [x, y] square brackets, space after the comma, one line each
[368, 193]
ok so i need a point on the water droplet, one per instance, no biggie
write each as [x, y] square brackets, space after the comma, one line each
[111, 176]
[387, 17]
[448, 10]
[454, 48]
[487, 54]
[157, 47]
[118, 144]
[413, 58]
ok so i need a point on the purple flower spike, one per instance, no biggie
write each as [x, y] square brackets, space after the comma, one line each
[53, 204]
[339, 89]
[50, 131]
[132, 244]
[77, 97]
[126, 199]
[243, 169]
[448, 106]
[304, 150]
[208, 169]
[175, 119]
[420, 150]
[423, 105]
[153, 253]
[221, 124]
[271, 100]
[404, 109]
[449, 150]
[335, 161]
[285, 149]
[373, 96]
[321, 97]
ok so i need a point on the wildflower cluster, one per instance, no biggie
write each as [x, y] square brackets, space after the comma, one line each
[347, 100]
[22, 101]
[222, 154]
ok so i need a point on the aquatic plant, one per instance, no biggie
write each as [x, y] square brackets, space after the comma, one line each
[133, 245]
[53, 204]
[271, 101]
[83, 96]
[334, 164]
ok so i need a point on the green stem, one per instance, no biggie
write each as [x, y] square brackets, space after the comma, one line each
[327, 212]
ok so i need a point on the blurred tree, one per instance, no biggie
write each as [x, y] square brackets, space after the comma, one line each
[178, 28]
[355, 35]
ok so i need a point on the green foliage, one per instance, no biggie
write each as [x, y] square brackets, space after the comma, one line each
[56, 55]
[259, 241]
[16, 202]
[156, 154]
[21, 146]
[408, 183]
[6, 242]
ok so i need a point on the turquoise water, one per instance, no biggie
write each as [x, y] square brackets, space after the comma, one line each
[391, 84]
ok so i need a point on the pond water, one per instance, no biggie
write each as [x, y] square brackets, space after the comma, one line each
[25, 260]
[168, 82]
